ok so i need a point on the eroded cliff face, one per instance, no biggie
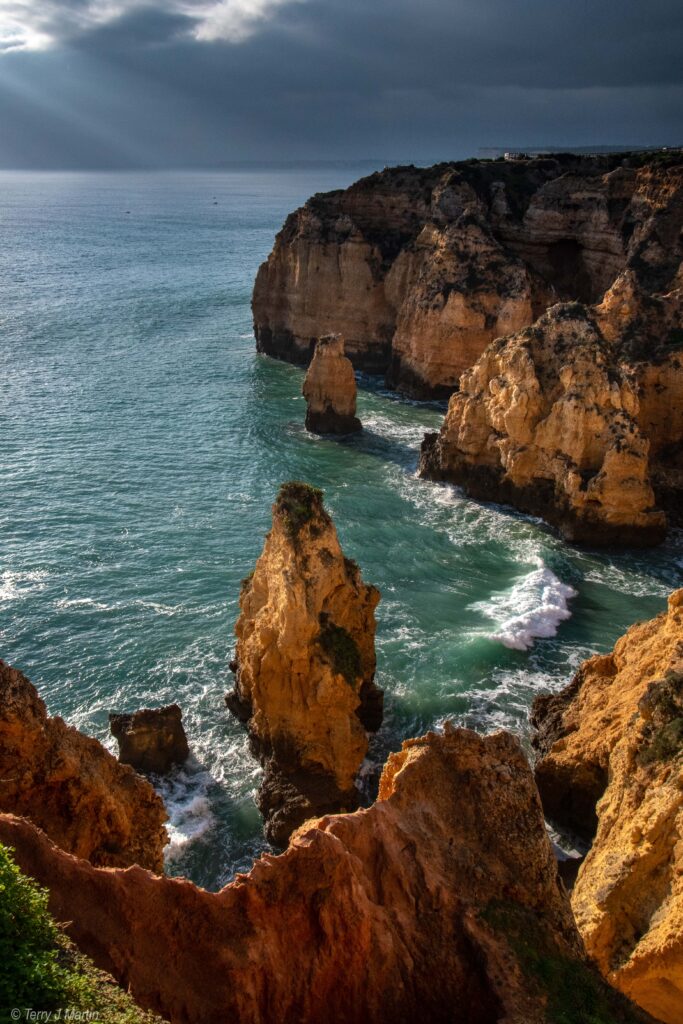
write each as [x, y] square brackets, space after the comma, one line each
[566, 420]
[612, 760]
[305, 665]
[420, 269]
[73, 788]
[330, 390]
[440, 903]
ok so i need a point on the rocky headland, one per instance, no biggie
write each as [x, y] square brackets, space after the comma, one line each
[70, 786]
[575, 419]
[330, 390]
[421, 268]
[441, 902]
[611, 770]
[544, 295]
[305, 665]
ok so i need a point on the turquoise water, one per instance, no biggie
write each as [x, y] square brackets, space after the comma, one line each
[141, 444]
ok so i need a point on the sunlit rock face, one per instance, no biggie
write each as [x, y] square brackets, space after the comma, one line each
[576, 418]
[305, 665]
[439, 903]
[420, 269]
[330, 390]
[611, 767]
[70, 786]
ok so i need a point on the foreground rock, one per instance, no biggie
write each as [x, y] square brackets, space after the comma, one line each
[71, 787]
[439, 903]
[611, 749]
[420, 269]
[305, 665]
[330, 390]
[567, 419]
[151, 740]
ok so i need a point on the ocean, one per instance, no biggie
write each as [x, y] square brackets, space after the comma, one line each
[142, 441]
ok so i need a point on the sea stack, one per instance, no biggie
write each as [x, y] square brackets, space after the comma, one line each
[330, 390]
[305, 665]
[71, 787]
[151, 740]
[611, 769]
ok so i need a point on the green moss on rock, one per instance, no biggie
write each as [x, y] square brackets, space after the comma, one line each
[574, 991]
[341, 649]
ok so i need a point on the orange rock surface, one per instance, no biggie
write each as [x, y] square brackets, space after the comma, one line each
[305, 665]
[71, 787]
[433, 905]
[616, 736]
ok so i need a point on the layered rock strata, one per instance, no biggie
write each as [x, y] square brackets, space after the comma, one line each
[71, 787]
[330, 390]
[151, 740]
[439, 903]
[611, 765]
[574, 418]
[305, 664]
[420, 269]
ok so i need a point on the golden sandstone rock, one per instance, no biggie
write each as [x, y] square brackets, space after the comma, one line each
[556, 421]
[330, 389]
[439, 903]
[71, 787]
[615, 736]
[305, 665]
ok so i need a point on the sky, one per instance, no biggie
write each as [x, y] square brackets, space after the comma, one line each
[204, 83]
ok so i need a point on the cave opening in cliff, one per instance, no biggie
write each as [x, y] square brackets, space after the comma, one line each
[568, 272]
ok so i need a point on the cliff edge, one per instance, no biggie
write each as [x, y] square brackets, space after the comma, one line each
[439, 903]
[70, 786]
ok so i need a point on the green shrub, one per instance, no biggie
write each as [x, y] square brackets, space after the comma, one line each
[296, 504]
[30, 972]
[41, 969]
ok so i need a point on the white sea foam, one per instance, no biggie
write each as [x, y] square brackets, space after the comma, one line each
[186, 795]
[533, 608]
[16, 585]
[82, 602]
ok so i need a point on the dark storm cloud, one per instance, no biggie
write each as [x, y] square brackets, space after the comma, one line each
[341, 78]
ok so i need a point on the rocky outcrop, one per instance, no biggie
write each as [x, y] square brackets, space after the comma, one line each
[439, 903]
[330, 390]
[420, 269]
[568, 419]
[305, 665]
[611, 763]
[151, 740]
[71, 787]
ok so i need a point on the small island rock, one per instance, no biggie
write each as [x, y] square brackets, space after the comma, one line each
[151, 740]
[330, 390]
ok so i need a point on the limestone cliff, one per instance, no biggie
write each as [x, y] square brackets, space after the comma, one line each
[305, 665]
[612, 759]
[440, 903]
[330, 389]
[420, 269]
[572, 418]
[73, 788]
